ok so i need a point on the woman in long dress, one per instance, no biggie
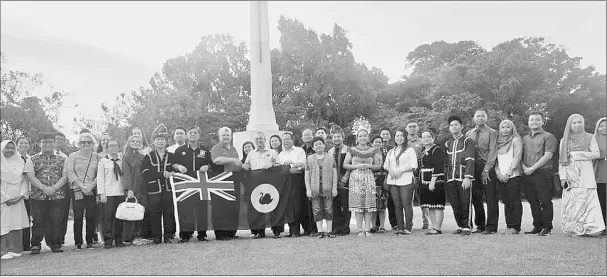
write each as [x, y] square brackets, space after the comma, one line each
[600, 164]
[581, 211]
[14, 189]
[362, 159]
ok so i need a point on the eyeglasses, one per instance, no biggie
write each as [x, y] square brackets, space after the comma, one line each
[86, 142]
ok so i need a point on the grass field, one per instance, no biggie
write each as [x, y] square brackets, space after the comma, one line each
[381, 254]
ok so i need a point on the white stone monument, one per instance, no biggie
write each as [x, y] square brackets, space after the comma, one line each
[261, 114]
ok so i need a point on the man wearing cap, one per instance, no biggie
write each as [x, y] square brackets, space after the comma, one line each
[157, 168]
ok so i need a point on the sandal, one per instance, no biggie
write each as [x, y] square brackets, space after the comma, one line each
[434, 232]
[381, 230]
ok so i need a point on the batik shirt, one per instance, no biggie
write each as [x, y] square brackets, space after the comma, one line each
[47, 169]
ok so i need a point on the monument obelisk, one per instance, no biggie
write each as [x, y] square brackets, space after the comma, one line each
[261, 113]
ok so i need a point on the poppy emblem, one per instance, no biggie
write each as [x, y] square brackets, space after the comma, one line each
[183, 153]
[267, 155]
[201, 154]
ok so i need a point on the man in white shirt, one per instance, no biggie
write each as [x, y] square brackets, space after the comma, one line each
[295, 157]
[179, 137]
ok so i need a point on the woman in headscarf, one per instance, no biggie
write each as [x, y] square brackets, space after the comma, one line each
[581, 214]
[508, 171]
[14, 189]
[600, 164]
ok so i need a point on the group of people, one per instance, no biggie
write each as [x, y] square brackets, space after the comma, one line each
[329, 182]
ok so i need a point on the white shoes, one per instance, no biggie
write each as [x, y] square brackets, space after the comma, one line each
[10, 255]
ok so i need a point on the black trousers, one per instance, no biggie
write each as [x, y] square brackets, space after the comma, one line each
[88, 204]
[112, 227]
[308, 223]
[341, 214]
[134, 229]
[538, 189]
[511, 196]
[478, 191]
[493, 208]
[459, 198]
[26, 231]
[162, 214]
[600, 189]
[47, 222]
[298, 201]
[66, 213]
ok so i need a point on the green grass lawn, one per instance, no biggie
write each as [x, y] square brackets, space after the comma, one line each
[381, 254]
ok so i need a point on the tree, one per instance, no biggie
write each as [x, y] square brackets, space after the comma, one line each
[20, 113]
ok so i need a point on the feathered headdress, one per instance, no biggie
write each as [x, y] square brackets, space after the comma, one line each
[160, 131]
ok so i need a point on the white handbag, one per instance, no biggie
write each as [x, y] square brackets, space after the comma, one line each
[130, 211]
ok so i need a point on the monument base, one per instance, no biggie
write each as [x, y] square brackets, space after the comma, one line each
[238, 138]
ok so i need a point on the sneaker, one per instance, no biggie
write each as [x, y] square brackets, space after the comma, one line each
[425, 226]
[488, 232]
[7, 256]
[511, 231]
[536, 230]
[466, 232]
[406, 232]
[89, 246]
[320, 235]
[544, 232]
[361, 234]
[381, 230]
[78, 247]
[138, 242]
[314, 234]
[368, 234]
[457, 232]
[56, 249]
[478, 231]
[14, 254]
[331, 234]
[373, 230]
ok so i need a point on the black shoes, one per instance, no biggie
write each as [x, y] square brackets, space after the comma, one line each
[536, 230]
[457, 232]
[488, 232]
[293, 235]
[202, 239]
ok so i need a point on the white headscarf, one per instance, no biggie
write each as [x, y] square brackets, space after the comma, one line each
[12, 168]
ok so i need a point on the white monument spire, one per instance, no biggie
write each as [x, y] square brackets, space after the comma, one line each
[261, 115]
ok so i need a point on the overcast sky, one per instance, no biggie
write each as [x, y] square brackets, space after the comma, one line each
[383, 33]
